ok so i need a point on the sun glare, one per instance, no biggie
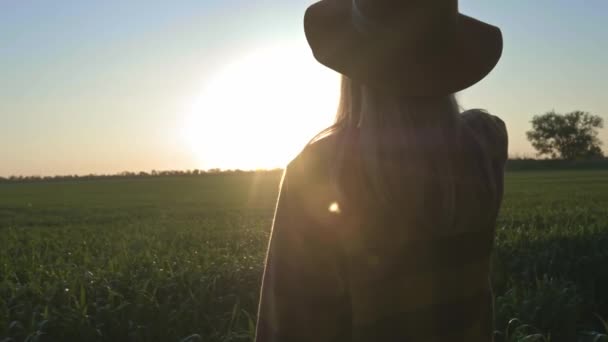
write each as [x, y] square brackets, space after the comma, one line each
[260, 110]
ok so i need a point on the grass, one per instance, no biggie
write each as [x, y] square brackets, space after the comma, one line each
[180, 258]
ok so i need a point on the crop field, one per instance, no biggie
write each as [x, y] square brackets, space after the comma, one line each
[181, 258]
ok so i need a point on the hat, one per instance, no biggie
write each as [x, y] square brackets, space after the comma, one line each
[416, 47]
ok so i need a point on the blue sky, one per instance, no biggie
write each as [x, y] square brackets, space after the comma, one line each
[100, 86]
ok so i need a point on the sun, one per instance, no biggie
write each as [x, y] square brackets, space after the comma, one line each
[261, 109]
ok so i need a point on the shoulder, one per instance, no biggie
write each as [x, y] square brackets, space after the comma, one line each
[489, 130]
[484, 122]
[317, 155]
[310, 173]
[307, 181]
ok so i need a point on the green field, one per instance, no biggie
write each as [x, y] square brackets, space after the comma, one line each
[171, 258]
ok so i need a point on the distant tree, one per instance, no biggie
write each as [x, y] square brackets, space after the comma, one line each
[567, 136]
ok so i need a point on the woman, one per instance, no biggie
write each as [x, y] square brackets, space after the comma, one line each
[385, 222]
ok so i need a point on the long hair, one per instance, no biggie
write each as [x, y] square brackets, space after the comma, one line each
[408, 148]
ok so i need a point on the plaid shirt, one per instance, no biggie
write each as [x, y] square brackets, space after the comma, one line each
[338, 273]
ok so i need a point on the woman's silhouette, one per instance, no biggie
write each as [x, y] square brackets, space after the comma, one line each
[385, 222]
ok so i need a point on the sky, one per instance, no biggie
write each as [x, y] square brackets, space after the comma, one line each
[110, 86]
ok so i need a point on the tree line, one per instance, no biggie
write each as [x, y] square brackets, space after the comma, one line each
[128, 174]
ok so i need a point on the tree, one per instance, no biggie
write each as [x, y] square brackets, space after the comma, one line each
[567, 136]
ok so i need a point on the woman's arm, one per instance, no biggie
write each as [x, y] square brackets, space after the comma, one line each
[303, 294]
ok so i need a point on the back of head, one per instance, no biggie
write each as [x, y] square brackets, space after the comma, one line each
[405, 146]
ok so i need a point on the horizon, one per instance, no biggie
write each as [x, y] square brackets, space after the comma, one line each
[585, 164]
[99, 88]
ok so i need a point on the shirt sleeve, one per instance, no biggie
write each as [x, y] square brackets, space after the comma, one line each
[303, 294]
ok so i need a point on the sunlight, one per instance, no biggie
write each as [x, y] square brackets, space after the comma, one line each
[334, 208]
[259, 111]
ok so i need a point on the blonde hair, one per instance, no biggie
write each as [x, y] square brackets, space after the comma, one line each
[408, 147]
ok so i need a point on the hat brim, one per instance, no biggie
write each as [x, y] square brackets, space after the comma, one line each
[473, 52]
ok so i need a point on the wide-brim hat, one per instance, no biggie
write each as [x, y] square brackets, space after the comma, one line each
[415, 47]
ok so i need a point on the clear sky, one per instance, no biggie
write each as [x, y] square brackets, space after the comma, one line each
[107, 86]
